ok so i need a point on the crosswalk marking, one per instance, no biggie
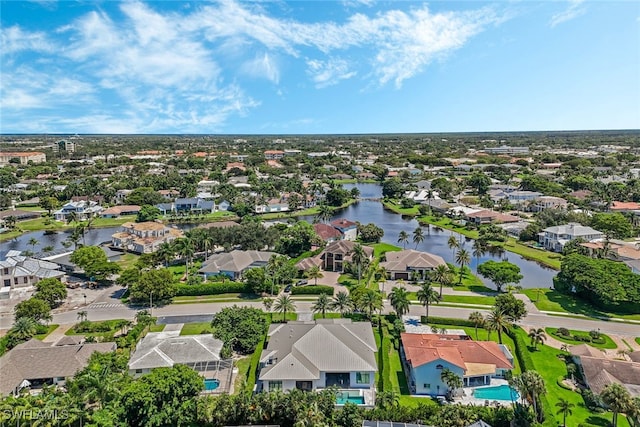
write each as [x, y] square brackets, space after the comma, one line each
[106, 305]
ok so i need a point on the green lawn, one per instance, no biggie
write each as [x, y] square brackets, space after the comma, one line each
[127, 260]
[552, 300]
[470, 282]
[8, 235]
[392, 206]
[551, 367]
[608, 342]
[243, 365]
[317, 316]
[156, 328]
[381, 248]
[234, 296]
[347, 280]
[50, 329]
[113, 328]
[278, 317]
[638, 340]
[464, 299]
[196, 328]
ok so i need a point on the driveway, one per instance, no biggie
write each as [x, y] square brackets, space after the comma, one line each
[330, 278]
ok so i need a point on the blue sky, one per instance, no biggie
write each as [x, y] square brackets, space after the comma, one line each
[318, 67]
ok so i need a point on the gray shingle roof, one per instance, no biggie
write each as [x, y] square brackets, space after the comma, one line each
[304, 349]
[235, 261]
[165, 349]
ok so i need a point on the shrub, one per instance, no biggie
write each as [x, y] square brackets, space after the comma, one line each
[183, 290]
[564, 332]
[312, 290]
[446, 321]
[561, 384]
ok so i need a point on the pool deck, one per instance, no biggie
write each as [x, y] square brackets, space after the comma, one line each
[467, 397]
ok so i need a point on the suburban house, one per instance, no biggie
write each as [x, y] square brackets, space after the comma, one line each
[554, 238]
[424, 357]
[624, 206]
[144, 237]
[336, 253]
[548, 202]
[188, 205]
[83, 209]
[273, 154]
[234, 263]
[118, 211]
[18, 215]
[349, 229]
[488, 217]
[598, 371]
[316, 355]
[35, 363]
[272, 205]
[402, 264]
[165, 349]
[17, 271]
[327, 233]
[169, 194]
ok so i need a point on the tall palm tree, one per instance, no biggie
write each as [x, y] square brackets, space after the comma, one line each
[82, 315]
[186, 248]
[462, 258]
[325, 212]
[442, 276]
[427, 295]
[166, 253]
[314, 273]
[342, 302]
[453, 244]
[479, 248]
[451, 379]
[24, 328]
[531, 386]
[498, 321]
[399, 298]
[208, 242]
[537, 337]
[565, 409]
[617, 398]
[387, 399]
[284, 304]
[371, 301]
[418, 236]
[322, 304]
[72, 217]
[478, 320]
[358, 257]
[403, 238]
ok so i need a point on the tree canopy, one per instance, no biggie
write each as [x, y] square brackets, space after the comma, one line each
[240, 328]
[94, 262]
[52, 291]
[159, 282]
[501, 273]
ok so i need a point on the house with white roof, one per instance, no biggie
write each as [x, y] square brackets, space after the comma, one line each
[82, 208]
[554, 238]
[316, 355]
[17, 271]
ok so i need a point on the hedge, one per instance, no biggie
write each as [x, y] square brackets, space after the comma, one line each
[312, 290]
[183, 290]
[447, 321]
[252, 373]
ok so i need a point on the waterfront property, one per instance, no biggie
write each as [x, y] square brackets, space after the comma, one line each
[598, 371]
[425, 356]
[337, 253]
[83, 209]
[554, 238]
[234, 263]
[144, 237]
[349, 229]
[193, 205]
[403, 264]
[34, 363]
[316, 355]
[120, 210]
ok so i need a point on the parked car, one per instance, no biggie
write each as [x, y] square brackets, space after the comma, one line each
[302, 282]
[288, 288]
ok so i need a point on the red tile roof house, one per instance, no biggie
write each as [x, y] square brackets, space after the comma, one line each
[349, 229]
[327, 233]
[425, 356]
[624, 206]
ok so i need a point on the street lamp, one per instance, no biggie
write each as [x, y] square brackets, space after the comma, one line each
[85, 298]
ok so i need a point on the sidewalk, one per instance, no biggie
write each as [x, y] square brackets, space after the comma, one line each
[58, 333]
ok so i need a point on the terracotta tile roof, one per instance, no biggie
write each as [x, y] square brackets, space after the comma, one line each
[343, 223]
[624, 206]
[327, 232]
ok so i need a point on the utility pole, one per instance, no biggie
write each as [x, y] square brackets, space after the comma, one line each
[151, 303]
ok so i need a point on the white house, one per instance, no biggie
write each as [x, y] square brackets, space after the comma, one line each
[144, 237]
[315, 355]
[17, 271]
[554, 238]
[82, 208]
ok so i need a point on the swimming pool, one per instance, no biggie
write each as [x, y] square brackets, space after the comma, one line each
[343, 397]
[501, 392]
[211, 384]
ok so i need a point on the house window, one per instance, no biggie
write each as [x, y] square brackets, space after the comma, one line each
[275, 385]
[427, 385]
[362, 377]
[440, 367]
[138, 371]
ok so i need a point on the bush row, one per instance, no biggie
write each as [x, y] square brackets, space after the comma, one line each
[183, 290]
[312, 290]
[446, 321]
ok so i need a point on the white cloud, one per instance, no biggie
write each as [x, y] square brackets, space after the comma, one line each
[15, 39]
[328, 73]
[262, 66]
[574, 10]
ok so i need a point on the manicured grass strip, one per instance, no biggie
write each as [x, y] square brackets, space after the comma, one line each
[278, 317]
[381, 248]
[638, 340]
[552, 300]
[607, 342]
[112, 324]
[50, 329]
[156, 328]
[394, 207]
[196, 328]
[317, 316]
[243, 364]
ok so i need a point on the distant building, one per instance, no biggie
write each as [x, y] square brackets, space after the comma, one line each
[554, 238]
[234, 263]
[17, 271]
[273, 154]
[117, 211]
[83, 209]
[21, 157]
[66, 146]
[144, 237]
[505, 149]
[349, 229]
[188, 205]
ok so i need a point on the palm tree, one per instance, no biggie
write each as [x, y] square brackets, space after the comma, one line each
[24, 328]
[208, 242]
[342, 302]
[479, 248]
[143, 317]
[267, 302]
[451, 379]
[371, 301]
[399, 299]
[442, 276]
[33, 242]
[478, 320]
[82, 315]
[453, 244]
[531, 386]
[403, 238]
[565, 409]
[166, 253]
[387, 399]
[284, 304]
[462, 258]
[314, 273]
[617, 398]
[186, 249]
[498, 321]
[358, 257]
[72, 217]
[322, 304]
[325, 212]
[418, 236]
[427, 295]
[537, 337]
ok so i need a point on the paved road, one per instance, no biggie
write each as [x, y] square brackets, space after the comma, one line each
[119, 311]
